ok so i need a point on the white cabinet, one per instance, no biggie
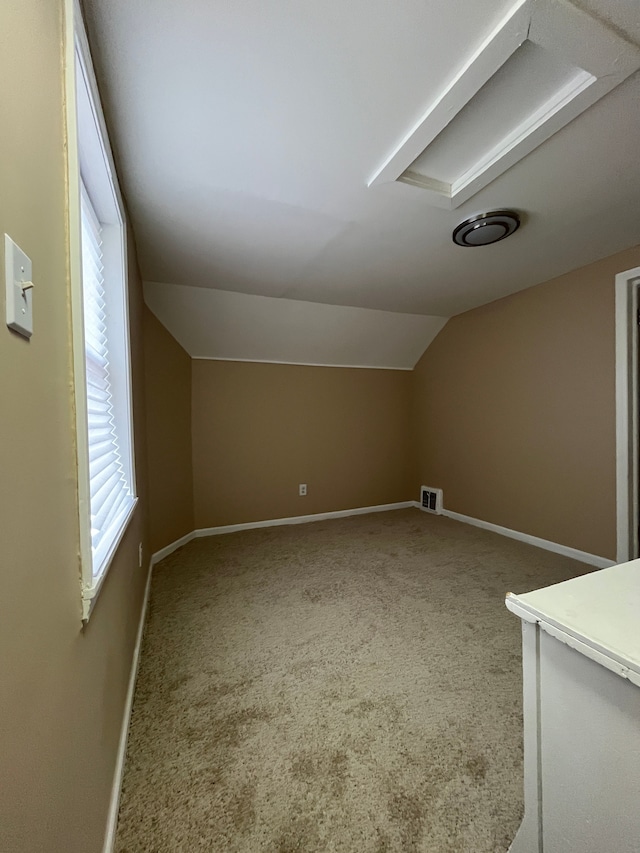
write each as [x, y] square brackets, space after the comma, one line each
[581, 682]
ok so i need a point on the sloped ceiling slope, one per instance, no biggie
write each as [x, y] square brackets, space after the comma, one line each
[247, 134]
[221, 324]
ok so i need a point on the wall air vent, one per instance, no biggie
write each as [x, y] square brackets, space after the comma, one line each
[545, 63]
[431, 500]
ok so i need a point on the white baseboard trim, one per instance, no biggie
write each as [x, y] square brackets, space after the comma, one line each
[301, 519]
[173, 546]
[114, 803]
[565, 550]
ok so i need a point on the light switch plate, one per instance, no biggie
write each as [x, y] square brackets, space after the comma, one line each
[17, 271]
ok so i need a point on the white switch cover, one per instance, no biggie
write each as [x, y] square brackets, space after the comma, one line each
[17, 271]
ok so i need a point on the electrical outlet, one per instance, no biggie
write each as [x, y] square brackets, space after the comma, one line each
[140, 555]
[302, 489]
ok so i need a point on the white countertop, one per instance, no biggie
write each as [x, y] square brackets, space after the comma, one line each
[597, 614]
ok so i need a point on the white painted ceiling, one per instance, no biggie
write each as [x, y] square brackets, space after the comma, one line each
[246, 133]
[225, 325]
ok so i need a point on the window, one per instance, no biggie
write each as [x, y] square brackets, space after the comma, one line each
[106, 477]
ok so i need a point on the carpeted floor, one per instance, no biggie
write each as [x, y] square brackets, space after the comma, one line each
[350, 685]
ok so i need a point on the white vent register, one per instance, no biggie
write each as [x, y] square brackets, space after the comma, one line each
[431, 500]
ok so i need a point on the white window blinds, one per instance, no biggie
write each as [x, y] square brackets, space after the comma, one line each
[110, 492]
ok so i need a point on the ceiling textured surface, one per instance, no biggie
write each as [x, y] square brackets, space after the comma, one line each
[246, 134]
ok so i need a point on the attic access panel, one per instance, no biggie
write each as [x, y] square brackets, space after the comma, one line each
[543, 65]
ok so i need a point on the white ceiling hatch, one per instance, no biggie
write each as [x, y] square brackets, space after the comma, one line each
[217, 324]
[544, 64]
[246, 133]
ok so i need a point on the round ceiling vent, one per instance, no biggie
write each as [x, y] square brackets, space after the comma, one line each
[485, 228]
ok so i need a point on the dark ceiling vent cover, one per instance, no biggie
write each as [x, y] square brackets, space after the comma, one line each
[431, 499]
[486, 228]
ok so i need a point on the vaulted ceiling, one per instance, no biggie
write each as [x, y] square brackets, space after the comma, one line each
[248, 133]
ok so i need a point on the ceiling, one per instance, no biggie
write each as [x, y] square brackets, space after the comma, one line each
[246, 135]
[218, 324]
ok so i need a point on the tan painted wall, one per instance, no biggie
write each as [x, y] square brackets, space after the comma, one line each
[261, 429]
[168, 399]
[62, 688]
[515, 409]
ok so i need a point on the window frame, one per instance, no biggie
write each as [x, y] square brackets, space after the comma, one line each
[90, 159]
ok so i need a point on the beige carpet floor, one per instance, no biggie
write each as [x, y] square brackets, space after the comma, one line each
[351, 685]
